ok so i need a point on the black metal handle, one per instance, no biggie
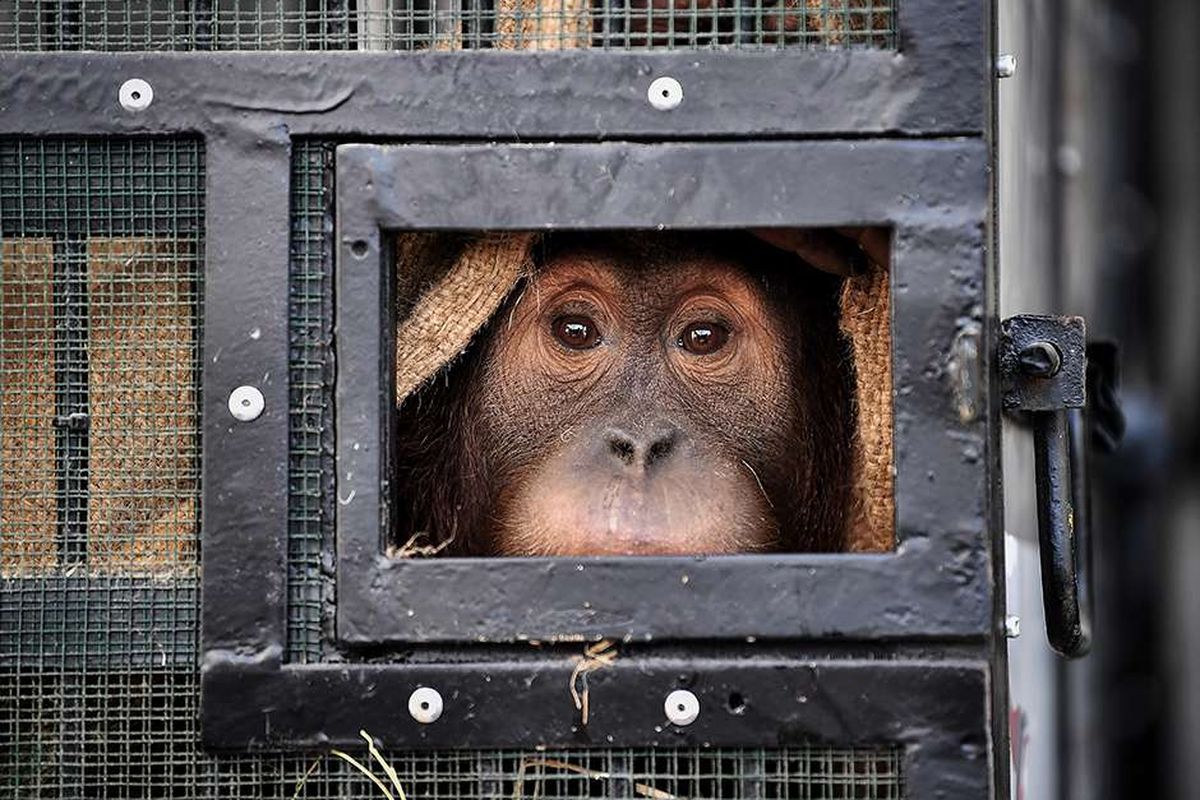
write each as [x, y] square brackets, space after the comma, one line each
[1063, 531]
[1044, 364]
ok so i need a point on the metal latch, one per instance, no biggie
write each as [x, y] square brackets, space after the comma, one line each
[1043, 366]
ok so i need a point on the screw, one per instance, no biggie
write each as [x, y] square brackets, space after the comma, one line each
[425, 705]
[135, 94]
[1012, 626]
[665, 93]
[246, 403]
[1006, 65]
[1040, 360]
[682, 707]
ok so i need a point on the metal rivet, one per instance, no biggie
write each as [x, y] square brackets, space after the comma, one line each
[1006, 65]
[1012, 626]
[246, 403]
[136, 95]
[425, 705]
[682, 707]
[665, 93]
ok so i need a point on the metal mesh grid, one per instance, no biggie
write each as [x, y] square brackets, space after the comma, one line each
[59, 738]
[99, 296]
[803, 773]
[124, 25]
[99, 607]
[310, 448]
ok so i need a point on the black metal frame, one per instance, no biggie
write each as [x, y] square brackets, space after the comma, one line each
[935, 711]
[934, 84]
[935, 584]
[937, 692]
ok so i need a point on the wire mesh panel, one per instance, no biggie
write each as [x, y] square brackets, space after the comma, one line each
[99, 444]
[123, 25]
[800, 772]
[29, 505]
[100, 277]
[310, 382]
[62, 739]
[99, 355]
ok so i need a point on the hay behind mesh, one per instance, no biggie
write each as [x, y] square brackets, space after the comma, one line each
[143, 447]
[143, 443]
[534, 25]
[846, 22]
[567, 24]
[28, 476]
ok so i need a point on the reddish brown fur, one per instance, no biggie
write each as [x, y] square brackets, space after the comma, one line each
[512, 451]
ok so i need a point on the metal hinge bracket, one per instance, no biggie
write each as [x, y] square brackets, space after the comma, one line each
[1043, 362]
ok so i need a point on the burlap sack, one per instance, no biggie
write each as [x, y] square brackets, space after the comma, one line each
[866, 321]
[447, 289]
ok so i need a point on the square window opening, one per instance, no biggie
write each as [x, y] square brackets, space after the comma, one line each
[626, 393]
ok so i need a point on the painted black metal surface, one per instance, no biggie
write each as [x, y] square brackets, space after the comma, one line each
[938, 588]
[936, 84]
[1043, 362]
[1064, 572]
[933, 711]
[937, 583]
[244, 464]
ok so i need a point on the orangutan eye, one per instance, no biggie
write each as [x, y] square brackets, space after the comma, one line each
[576, 331]
[703, 338]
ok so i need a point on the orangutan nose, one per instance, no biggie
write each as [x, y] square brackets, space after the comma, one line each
[641, 451]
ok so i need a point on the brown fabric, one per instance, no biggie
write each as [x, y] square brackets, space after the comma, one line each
[28, 479]
[143, 449]
[455, 304]
[836, 22]
[866, 321]
[542, 24]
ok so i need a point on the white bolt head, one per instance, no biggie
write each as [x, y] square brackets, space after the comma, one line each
[665, 93]
[1012, 626]
[1006, 65]
[682, 707]
[136, 95]
[425, 705]
[246, 403]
